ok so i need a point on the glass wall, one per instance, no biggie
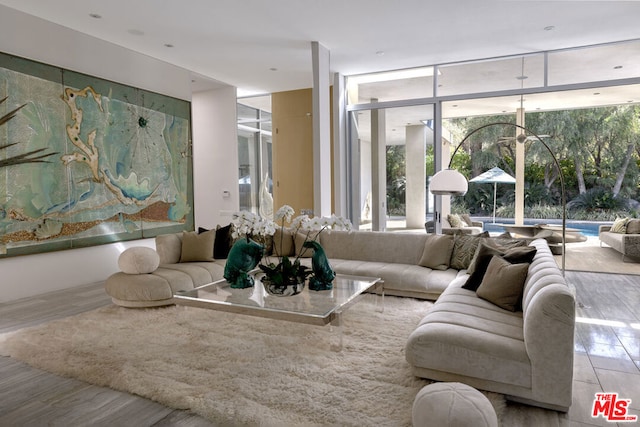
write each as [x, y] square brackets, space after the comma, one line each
[254, 155]
[390, 147]
[561, 80]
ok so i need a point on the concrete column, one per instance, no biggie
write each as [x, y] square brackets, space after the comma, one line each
[416, 176]
[321, 131]
[378, 171]
[519, 208]
[339, 148]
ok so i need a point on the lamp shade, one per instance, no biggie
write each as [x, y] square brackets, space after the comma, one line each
[448, 182]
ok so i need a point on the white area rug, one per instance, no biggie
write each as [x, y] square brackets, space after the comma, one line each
[240, 370]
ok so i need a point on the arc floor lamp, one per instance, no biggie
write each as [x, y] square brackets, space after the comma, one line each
[450, 182]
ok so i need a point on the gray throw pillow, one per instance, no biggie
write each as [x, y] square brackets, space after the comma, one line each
[283, 243]
[197, 247]
[503, 283]
[300, 238]
[484, 255]
[633, 226]
[499, 243]
[437, 251]
[464, 248]
[467, 220]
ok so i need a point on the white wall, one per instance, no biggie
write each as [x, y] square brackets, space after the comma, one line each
[215, 156]
[33, 38]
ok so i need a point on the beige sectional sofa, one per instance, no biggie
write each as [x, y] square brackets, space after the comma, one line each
[157, 287]
[527, 354]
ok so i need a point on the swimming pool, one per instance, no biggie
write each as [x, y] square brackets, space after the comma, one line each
[588, 228]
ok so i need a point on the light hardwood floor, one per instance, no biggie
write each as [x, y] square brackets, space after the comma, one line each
[607, 358]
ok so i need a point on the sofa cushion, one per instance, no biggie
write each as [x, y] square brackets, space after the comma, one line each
[138, 260]
[503, 283]
[633, 226]
[222, 242]
[455, 221]
[283, 244]
[464, 248]
[483, 257]
[298, 242]
[502, 244]
[437, 252]
[197, 247]
[169, 247]
[619, 225]
[468, 222]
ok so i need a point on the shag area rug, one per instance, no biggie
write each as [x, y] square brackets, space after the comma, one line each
[241, 370]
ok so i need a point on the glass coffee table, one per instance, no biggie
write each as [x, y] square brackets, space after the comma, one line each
[310, 307]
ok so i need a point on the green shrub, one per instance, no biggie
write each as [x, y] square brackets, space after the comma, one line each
[597, 199]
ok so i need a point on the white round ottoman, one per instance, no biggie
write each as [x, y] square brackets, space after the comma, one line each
[454, 405]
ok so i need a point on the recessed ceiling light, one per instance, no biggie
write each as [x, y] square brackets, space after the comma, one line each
[549, 28]
[617, 67]
[596, 93]
[523, 77]
[380, 53]
[273, 69]
[135, 32]
[455, 105]
[95, 15]
[168, 45]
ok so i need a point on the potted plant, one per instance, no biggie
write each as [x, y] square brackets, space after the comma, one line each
[285, 276]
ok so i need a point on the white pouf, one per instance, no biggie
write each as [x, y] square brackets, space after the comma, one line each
[452, 404]
[139, 260]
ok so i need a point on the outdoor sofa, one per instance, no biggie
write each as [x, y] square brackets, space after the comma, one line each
[625, 240]
[526, 354]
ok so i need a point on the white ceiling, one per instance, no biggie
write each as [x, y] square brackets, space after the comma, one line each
[264, 46]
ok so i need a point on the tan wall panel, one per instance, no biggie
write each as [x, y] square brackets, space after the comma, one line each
[292, 149]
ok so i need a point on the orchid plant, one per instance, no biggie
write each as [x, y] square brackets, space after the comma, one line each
[250, 224]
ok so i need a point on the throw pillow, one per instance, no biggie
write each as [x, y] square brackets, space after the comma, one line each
[619, 225]
[464, 248]
[467, 220]
[301, 237]
[138, 260]
[455, 221]
[633, 226]
[283, 243]
[516, 255]
[222, 243]
[503, 283]
[197, 247]
[437, 251]
[500, 243]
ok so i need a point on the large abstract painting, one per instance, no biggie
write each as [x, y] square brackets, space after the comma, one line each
[86, 161]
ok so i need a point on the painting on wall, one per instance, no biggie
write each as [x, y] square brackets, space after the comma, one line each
[86, 161]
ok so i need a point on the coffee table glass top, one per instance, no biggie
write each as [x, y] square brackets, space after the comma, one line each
[313, 307]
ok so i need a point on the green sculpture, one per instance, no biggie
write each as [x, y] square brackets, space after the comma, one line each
[323, 274]
[243, 257]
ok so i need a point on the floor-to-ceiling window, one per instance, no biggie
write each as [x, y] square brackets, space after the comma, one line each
[254, 155]
[390, 139]
[538, 82]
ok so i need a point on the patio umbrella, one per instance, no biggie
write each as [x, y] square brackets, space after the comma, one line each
[494, 175]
